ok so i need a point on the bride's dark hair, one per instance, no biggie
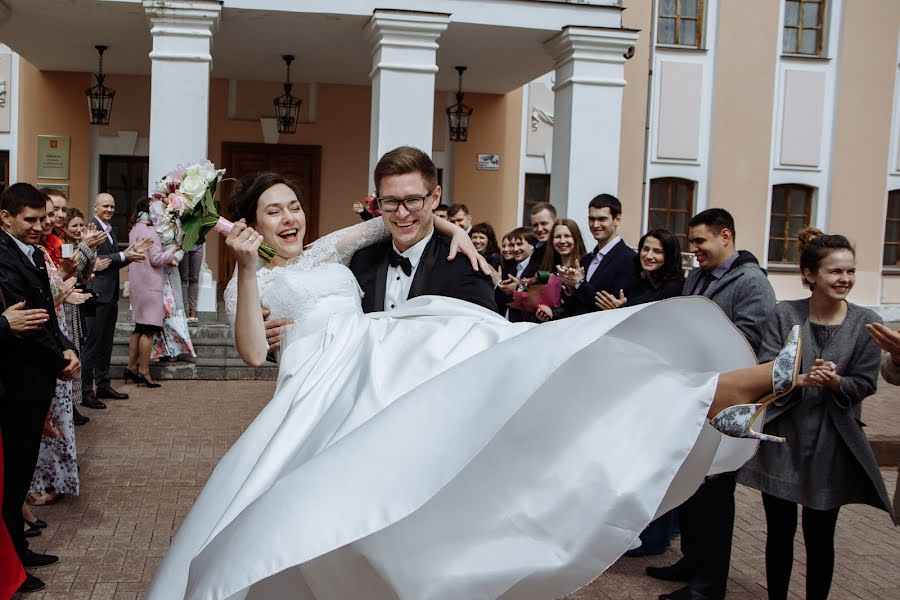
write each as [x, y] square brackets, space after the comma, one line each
[250, 187]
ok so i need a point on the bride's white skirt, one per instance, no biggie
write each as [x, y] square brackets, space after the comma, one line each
[440, 452]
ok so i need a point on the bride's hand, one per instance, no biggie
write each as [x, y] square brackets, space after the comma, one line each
[461, 242]
[244, 242]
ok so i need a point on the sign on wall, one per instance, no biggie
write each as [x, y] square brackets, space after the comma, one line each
[489, 162]
[5, 91]
[53, 157]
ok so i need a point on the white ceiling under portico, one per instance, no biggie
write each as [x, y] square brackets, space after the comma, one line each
[501, 41]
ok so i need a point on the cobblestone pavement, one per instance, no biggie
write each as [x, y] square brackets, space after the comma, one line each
[144, 460]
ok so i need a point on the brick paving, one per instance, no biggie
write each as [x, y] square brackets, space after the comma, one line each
[144, 460]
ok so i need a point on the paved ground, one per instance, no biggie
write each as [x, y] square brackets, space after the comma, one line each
[145, 459]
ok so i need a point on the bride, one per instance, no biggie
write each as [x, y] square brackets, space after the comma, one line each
[436, 451]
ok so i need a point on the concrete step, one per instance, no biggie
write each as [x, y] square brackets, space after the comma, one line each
[203, 368]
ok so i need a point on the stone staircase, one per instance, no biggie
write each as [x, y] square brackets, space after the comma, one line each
[217, 357]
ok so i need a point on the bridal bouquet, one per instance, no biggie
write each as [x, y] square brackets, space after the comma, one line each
[183, 209]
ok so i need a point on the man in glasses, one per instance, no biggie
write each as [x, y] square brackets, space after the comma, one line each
[414, 261]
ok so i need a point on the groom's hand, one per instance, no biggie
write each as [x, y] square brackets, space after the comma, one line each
[274, 329]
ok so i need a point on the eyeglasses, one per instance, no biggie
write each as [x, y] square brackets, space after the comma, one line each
[412, 204]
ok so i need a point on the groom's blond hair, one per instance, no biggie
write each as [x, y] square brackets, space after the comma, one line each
[403, 160]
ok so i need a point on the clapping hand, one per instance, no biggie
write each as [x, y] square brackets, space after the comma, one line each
[78, 297]
[571, 276]
[92, 237]
[822, 374]
[25, 320]
[101, 264]
[887, 339]
[606, 301]
[135, 252]
[65, 290]
[358, 208]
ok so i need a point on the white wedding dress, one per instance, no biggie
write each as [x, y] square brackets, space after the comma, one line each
[438, 452]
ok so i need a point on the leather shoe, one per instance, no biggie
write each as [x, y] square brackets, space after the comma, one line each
[79, 418]
[31, 584]
[89, 401]
[32, 531]
[645, 551]
[33, 559]
[688, 593]
[110, 394]
[680, 571]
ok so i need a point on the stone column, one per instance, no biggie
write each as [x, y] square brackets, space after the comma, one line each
[587, 120]
[179, 96]
[404, 53]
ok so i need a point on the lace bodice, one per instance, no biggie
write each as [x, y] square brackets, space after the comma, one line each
[316, 284]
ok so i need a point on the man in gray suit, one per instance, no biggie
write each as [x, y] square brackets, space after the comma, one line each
[734, 280]
[101, 322]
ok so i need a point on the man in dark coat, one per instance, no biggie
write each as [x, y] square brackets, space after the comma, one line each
[733, 280]
[101, 323]
[31, 363]
[609, 268]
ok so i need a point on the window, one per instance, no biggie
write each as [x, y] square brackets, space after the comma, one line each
[892, 231]
[537, 189]
[671, 206]
[4, 170]
[127, 179]
[680, 23]
[791, 212]
[804, 28]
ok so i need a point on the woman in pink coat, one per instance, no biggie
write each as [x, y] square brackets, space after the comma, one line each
[145, 283]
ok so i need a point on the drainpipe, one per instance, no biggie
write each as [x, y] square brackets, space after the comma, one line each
[645, 194]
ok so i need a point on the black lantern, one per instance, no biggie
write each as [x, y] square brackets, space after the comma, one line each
[287, 107]
[100, 97]
[459, 114]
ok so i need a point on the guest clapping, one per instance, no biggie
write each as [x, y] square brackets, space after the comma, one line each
[568, 248]
[145, 280]
[828, 461]
[659, 276]
[889, 341]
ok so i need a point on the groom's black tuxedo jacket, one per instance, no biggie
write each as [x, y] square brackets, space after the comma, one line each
[435, 275]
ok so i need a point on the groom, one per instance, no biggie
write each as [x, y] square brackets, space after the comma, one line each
[414, 261]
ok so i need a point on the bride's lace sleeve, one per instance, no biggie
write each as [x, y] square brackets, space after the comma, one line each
[230, 297]
[340, 245]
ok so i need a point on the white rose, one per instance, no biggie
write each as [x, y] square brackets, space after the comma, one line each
[193, 187]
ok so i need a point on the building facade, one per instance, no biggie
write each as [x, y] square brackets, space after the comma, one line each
[784, 112]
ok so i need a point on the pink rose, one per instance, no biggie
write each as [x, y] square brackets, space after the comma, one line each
[176, 202]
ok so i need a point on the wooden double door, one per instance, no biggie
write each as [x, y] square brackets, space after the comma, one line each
[300, 163]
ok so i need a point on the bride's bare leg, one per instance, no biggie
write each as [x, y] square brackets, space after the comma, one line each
[744, 386]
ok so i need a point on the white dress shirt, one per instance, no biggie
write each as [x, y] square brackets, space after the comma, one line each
[27, 249]
[396, 291]
[598, 258]
[107, 228]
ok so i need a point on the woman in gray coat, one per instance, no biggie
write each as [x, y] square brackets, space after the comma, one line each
[826, 462]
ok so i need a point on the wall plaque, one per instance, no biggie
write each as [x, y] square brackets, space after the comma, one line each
[53, 157]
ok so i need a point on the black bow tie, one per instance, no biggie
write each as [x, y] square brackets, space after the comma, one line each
[400, 261]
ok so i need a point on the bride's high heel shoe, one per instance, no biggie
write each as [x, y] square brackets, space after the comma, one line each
[737, 421]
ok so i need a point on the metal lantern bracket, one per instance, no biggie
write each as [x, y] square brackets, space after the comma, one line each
[287, 107]
[100, 97]
[459, 114]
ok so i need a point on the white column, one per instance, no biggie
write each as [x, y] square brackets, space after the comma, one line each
[179, 95]
[404, 63]
[587, 120]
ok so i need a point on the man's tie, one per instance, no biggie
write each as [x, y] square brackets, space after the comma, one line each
[400, 261]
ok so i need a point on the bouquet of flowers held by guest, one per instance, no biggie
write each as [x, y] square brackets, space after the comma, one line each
[543, 288]
[183, 209]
